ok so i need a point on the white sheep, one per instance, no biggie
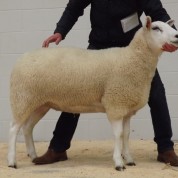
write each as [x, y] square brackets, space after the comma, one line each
[115, 81]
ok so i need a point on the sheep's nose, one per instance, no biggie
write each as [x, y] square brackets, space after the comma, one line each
[176, 36]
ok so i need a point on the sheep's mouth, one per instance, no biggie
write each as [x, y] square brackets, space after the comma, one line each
[175, 43]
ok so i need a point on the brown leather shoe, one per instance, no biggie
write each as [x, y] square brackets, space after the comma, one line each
[50, 157]
[168, 157]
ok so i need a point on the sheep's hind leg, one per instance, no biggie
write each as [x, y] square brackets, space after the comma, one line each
[117, 126]
[126, 151]
[28, 129]
[13, 132]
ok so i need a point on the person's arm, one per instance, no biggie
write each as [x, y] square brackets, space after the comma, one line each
[154, 9]
[74, 9]
[157, 12]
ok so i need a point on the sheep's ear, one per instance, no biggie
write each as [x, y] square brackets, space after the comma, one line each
[170, 22]
[148, 22]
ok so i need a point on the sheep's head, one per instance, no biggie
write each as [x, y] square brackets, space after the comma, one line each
[158, 33]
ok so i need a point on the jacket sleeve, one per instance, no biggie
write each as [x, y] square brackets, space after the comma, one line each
[154, 9]
[73, 10]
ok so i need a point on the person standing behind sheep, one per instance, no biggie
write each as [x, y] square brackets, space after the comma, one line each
[113, 24]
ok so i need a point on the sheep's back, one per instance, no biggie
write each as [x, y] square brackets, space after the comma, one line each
[62, 73]
[75, 76]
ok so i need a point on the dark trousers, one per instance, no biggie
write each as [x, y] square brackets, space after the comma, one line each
[64, 131]
[160, 115]
[67, 122]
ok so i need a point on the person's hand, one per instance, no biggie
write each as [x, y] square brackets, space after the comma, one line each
[169, 47]
[57, 37]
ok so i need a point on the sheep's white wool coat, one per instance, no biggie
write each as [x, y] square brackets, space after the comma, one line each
[79, 80]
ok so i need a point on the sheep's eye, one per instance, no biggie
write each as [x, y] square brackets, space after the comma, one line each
[157, 29]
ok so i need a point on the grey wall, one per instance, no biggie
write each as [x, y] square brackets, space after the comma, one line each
[24, 24]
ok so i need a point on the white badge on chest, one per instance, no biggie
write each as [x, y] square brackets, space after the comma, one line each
[130, 22]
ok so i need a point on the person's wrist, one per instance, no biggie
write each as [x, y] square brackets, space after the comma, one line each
[59, 35]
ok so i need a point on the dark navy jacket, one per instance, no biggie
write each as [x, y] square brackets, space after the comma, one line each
[105, 17]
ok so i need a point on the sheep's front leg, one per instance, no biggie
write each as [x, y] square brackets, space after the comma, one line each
[125, 150]
[118, 133]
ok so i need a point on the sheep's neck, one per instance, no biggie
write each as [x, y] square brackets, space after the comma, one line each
[143, 51]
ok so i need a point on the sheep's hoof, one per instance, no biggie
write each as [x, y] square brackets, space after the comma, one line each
[131, 164]
[119, 168]
[13, 166]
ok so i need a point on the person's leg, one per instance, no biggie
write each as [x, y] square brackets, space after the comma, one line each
[161, 122]
[61, 140]
[64, 132]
